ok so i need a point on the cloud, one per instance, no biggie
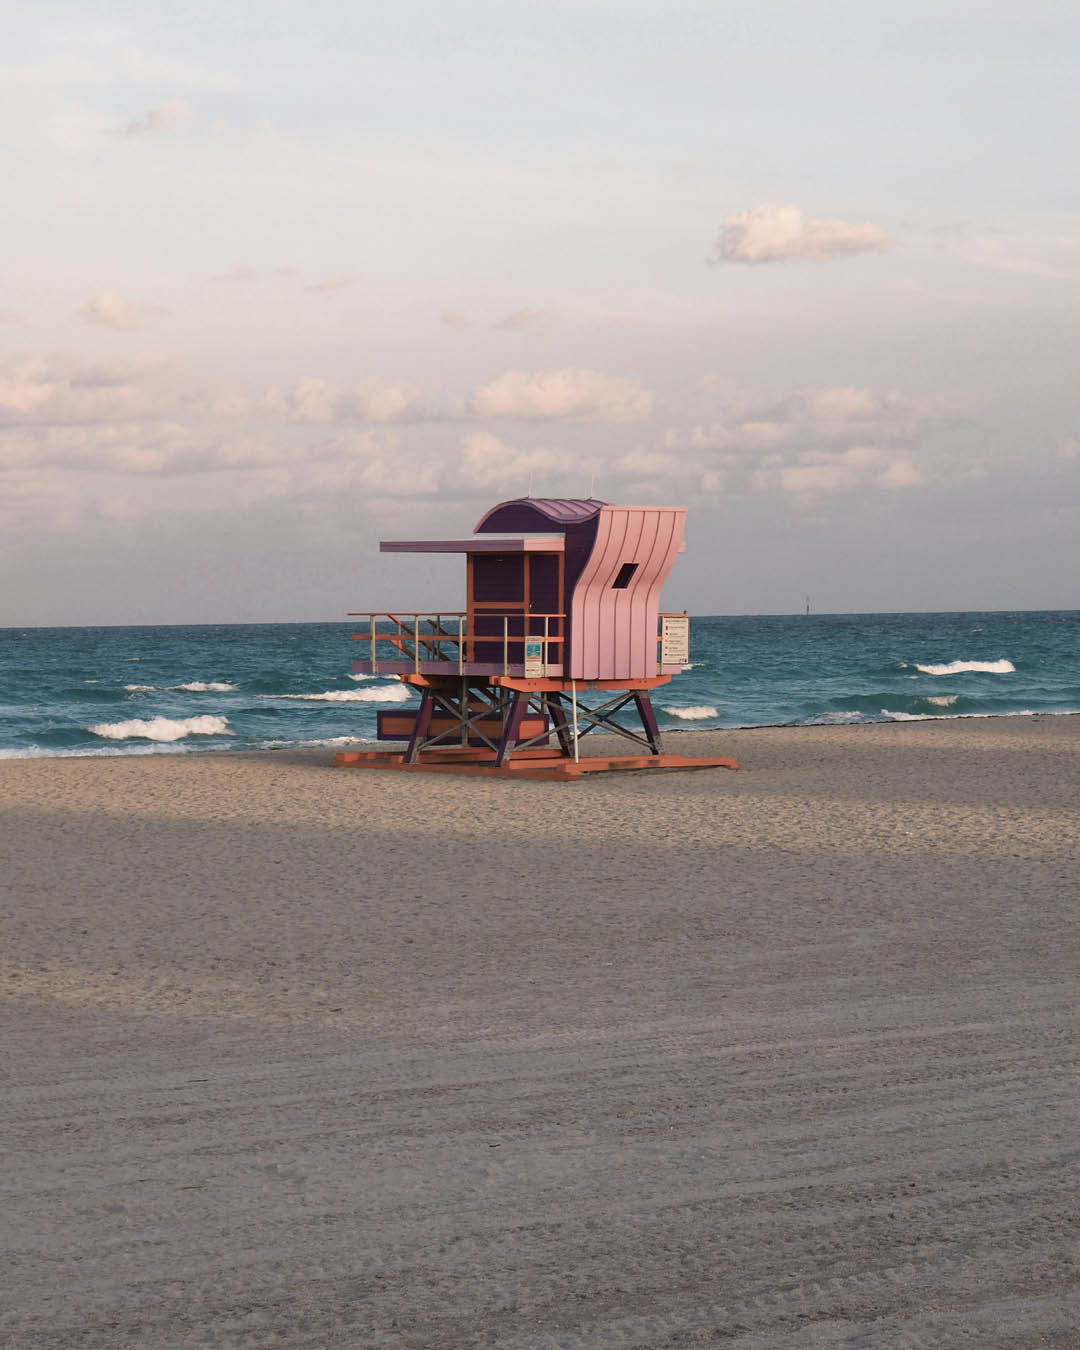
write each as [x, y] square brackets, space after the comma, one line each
[1069, 448]
[58, 391]
[240, 272]
[246, 272]
[488, 462]
[112, 311]
[329, 284]
[779, 233]
[563, 395]
[1002, 251]
[164, 118]
[521, 319]
[315, 400]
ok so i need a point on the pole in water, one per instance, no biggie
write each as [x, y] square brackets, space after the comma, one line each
[807, 605]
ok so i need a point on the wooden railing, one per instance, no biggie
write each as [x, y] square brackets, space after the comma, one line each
[507, 638]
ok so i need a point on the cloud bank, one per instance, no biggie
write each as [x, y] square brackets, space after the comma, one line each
[563, 395]
[779, 234]
[163, 118]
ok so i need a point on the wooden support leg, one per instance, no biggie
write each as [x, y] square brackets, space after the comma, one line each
[420, 726]
[648, 721]
[562, 727]
[511, 726]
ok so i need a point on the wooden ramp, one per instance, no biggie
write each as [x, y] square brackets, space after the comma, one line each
[534, 763]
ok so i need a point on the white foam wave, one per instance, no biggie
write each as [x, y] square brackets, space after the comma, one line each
[942, 700]
[162, 728]
[320, 741]
[205, 687]
[392, 693]
[358, 678]
[139, 688]
[950, 717]
[693, 665]
[100, 752]
[1001, 667]
[850, 716]
[694, 714]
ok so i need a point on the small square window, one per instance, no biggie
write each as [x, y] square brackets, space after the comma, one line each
[626, 571]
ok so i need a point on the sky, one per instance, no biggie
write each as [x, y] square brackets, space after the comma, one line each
[279, 281]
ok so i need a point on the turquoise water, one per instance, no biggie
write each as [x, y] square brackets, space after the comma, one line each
[173, 689]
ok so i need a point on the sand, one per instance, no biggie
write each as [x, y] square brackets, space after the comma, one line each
[304, 1056]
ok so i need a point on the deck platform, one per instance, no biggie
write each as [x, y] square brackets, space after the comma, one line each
[549, 764]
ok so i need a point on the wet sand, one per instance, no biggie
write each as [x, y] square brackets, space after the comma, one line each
[304, 1056]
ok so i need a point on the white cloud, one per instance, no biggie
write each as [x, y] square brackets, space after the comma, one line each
[316, 400]
[563, 395]
[163, 118]
[327, 285]
[777, 233]
[1047, 256]
[488, 462]
[112, 311]
[240, 272]
[522, 319]
[60, 390]
[901, 473]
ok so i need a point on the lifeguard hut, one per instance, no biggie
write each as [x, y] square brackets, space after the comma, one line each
[562, 598]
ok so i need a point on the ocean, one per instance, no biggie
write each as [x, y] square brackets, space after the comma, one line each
[177, 689]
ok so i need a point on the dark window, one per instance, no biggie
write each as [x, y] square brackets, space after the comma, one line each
[626, 571]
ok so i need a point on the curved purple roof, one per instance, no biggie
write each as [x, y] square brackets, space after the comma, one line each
[539, 513]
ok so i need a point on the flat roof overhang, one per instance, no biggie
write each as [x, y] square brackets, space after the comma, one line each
[539, 544]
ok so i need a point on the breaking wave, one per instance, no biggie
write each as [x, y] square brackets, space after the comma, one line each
[694, 714]
[140, 688]
[393, 693]
[358, 678]
[949, 717]
[162, 728]
[1001, 667]
[942, 700]
[205, 687]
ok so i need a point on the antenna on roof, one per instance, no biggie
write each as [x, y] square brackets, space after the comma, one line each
[592, 488]
[530, 482]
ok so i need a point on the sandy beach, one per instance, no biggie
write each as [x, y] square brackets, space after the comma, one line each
[303, 1056]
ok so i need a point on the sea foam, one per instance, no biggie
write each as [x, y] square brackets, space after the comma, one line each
[693, 714]
[205, 687]
[162, 728]
[1001, 667]
[391, 693]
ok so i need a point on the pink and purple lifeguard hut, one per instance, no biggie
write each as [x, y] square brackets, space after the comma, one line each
[562, 596]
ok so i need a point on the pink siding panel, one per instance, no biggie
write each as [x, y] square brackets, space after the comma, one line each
[615, 630]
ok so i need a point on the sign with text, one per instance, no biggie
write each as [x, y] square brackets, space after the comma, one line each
[535, 668]
[674, 639]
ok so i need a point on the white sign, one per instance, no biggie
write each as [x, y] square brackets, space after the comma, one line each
[535, 668]
[674, 639]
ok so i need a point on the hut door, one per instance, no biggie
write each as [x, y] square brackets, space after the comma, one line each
[498, 591]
